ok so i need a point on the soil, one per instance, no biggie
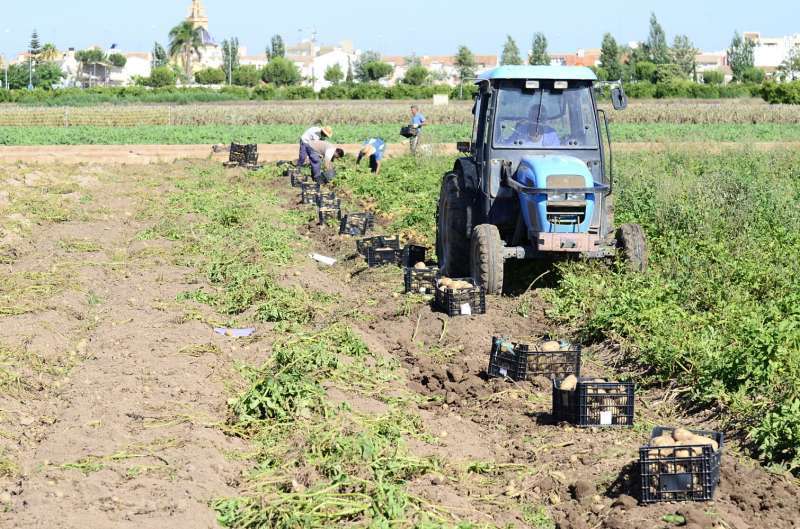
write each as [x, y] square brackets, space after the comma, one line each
[150, 154]
[145, 397]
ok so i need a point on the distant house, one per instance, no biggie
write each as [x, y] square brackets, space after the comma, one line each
[770, 52]
[442, 67]
[582, 57]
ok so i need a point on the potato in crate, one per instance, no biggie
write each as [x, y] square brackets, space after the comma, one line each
[521, 360]
[356, 224]
[680, 465]
[593, 402]
[460, 297]
[411, 253]
[420, 279]
[326, 215]
[379, 241]
[327, 200]
[309, 192]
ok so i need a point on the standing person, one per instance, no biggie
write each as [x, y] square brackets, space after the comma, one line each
[321, 154]
[417, 121]
[312, 134]
[374, 149]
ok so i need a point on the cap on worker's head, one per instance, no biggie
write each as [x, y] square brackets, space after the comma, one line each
[327, 131]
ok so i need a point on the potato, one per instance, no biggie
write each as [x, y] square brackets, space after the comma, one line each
[662, 440]
[569, 383]
[703, 441]
[507, 347]
[445, 282]
[420, 266]
[550, 346]
[682, 434]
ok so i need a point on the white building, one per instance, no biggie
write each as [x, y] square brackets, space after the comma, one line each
[770, 52]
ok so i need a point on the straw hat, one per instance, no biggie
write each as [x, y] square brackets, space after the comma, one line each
[368, 150]
[327, 131]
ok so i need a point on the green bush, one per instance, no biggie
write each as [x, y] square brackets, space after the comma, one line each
[640, 90]
[210, 76]
[665, 73]
[246, 76]
[339, 91]
[753, 75]
[117, 60]
[781, 93]
[645, 71]
[368, 91]
[160, 77]
[713, 77]
[281, 72]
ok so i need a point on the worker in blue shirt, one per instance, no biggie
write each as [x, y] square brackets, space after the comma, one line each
[417, 121]
[374, 148]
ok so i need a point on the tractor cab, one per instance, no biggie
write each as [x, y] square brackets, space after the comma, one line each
[536, 179]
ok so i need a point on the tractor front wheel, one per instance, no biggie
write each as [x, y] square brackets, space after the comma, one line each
[486, 258]
[632, 244]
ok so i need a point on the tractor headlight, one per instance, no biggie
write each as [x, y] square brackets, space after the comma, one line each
[563, 197]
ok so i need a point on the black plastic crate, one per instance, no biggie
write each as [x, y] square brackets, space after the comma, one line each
[244, 154]
[408, 256]
[309, 192]
[413, 254]
[329, 214]
[420, 280]
[356, 224]
[460, 302]
[297, 178]
[680, 473]
[327, 200]
[594, 403]
[379, 241]
[521, 361]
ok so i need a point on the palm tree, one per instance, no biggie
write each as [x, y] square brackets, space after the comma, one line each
[49, 52]
[185, 41]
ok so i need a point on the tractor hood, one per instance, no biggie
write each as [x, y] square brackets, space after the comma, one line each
[535, 171]
[544, 207]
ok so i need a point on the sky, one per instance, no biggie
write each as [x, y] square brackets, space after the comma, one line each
[394, 27]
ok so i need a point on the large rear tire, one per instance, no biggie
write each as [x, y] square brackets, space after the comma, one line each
[486, 258]
[632, 244]
[452, 216]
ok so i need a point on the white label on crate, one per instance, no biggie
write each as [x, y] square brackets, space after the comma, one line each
[422, 290]
[503, 371]
[605, 418]
[466, 310]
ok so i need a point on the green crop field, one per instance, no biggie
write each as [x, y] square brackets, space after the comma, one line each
[209, 134]
[717, 315]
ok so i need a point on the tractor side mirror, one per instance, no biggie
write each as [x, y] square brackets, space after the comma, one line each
[464, 147]
[618, 99]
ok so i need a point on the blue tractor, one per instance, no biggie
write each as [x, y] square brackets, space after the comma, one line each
[536, 180]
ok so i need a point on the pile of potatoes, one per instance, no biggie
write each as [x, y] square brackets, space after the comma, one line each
[669, 444]
[420, 266]
[453, 284]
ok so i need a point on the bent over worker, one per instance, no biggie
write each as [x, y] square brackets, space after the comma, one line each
[374, 148]
[311, 134]
[321, 154]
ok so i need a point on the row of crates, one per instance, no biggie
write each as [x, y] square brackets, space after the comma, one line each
[329, 207]
[666, 473]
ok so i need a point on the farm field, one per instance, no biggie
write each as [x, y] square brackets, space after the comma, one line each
[287, 134]
[351, 404]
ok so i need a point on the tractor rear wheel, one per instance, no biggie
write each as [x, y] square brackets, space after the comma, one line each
[632, 244]
[452, 242]
[486, 258]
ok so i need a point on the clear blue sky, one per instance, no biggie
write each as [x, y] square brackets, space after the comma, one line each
[394, 26]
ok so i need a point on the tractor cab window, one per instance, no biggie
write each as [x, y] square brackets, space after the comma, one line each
[545, 117]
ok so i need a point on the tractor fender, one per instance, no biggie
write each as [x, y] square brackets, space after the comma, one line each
[468, 169]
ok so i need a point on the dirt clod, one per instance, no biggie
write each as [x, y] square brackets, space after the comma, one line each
[583, 491]
[624, 502]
